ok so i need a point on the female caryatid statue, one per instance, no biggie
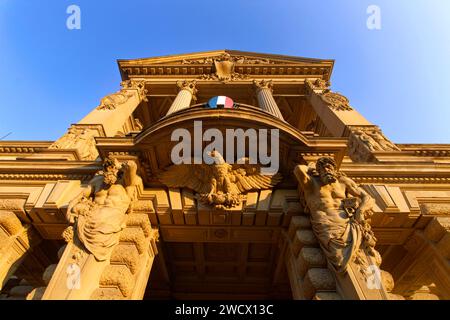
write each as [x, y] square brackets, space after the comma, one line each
[99, 212]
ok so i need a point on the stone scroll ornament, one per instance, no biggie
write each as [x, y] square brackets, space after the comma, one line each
[99, 212]
[220, 184]
[340, 211]
[363, 141]
[112, 101]
[82, 139]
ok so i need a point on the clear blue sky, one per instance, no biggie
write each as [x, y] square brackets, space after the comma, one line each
[398, 77]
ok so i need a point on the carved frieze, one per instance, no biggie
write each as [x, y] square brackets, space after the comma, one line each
[112, 101]
[228, 57]
[224, 69]
[363, 141]
[318, 84]
[81, 139]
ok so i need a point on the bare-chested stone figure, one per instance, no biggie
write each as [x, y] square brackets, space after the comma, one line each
[99, 212]
[338, 209]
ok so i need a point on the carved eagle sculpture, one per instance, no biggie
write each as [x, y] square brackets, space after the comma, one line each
[219, 184]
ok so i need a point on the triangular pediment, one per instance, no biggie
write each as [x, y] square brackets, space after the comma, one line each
[239, 62]
[239, 57]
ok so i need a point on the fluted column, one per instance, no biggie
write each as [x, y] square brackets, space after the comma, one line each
[185, 96]
[265, 99]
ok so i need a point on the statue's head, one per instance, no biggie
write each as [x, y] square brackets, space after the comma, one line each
[326, 168]
[111, 171]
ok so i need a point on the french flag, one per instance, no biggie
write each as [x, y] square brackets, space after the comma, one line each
[221, 102]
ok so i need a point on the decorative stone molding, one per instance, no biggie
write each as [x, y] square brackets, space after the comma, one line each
[224, 67]
[435, 209]
[264, 84]
[336, 101]
[402, 180]
[98, 226]
[228, 57]
[318, 84]
[188, 86]
[364, 141]
[45, 177]
[112, 101]
[81, 139]
[13, 205]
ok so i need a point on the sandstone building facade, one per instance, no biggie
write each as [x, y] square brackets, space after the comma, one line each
[104, 213]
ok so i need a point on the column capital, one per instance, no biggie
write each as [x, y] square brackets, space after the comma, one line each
[263, 84]
[318, 84]
[138, 85]
[189, 86]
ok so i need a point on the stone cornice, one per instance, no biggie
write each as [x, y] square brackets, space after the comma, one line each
[14, 147]
[196, 71]
[398, 173]
[47, 170]
[247, 64]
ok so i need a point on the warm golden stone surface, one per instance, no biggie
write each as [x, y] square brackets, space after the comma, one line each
[140, 227]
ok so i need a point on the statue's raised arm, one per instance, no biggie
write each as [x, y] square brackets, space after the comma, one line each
[338, 208]
[303, 174]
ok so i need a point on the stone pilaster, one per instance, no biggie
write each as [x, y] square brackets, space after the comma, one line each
[115, 109]
[186, 94]
[265, 99]
[333, 109]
